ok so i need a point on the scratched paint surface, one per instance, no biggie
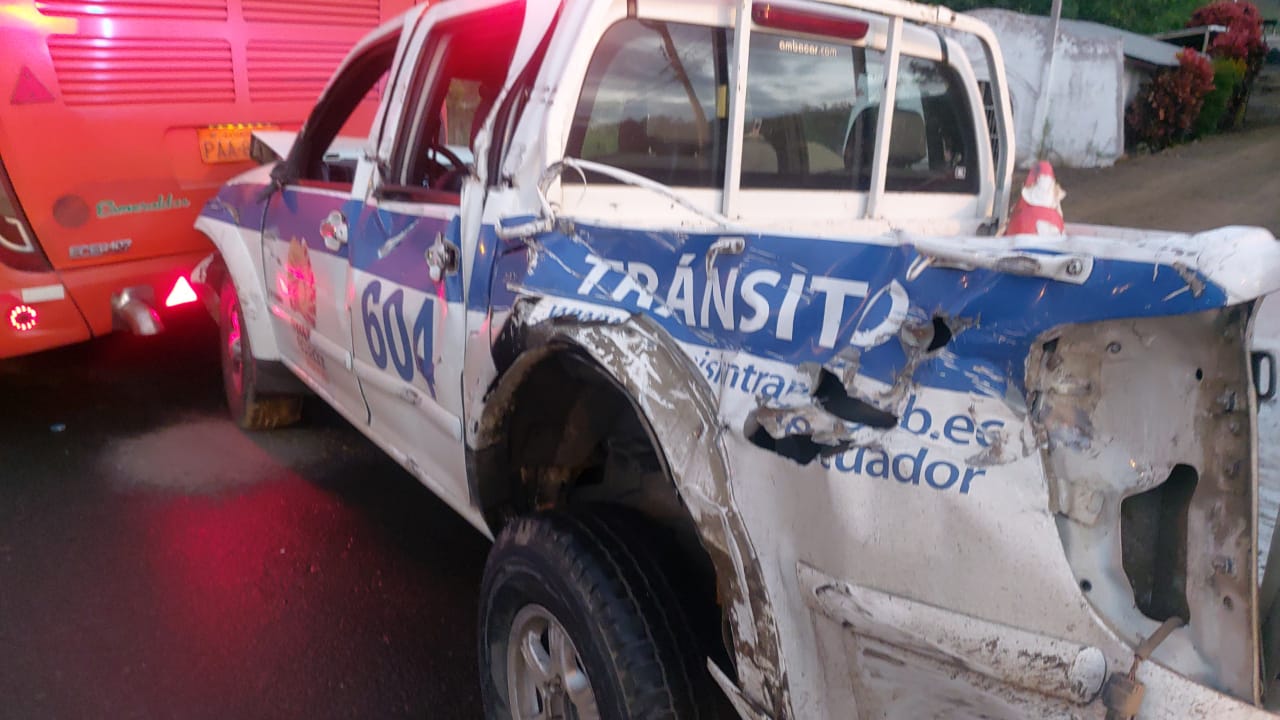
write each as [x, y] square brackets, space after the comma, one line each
[766, 326]
[797, 300]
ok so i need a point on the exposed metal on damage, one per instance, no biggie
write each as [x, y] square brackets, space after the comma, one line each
[914, 455]
[1123, 694]
[618, 311]
[1100, 447]
[1025, 660]
[682, 418]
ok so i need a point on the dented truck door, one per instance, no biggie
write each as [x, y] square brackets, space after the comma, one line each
[873, 349]
[309, 219]
[936, 472]
[407, 295]
[810, 339]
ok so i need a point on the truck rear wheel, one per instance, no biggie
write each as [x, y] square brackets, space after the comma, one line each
[573, 623]
[251, 409]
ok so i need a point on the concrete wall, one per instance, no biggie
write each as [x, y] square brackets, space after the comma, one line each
[1083, 110]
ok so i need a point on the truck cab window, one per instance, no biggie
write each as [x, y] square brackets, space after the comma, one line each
[937, 150]
[455, 86]
[651, 104]
[450, 114]
[322, 155]
[796, 133]
[821, 133]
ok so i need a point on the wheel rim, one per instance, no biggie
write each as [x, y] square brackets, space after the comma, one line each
[233, 349]
[545, 676]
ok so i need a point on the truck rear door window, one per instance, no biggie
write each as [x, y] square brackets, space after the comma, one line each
[933, 146]
[457, 79]
[811, 120]
[654, 102]
[649, 103]
[805, 98]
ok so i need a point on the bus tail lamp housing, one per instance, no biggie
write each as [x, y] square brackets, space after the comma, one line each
[18, 247]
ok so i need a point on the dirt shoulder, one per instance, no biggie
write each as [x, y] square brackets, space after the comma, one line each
[1231, 179]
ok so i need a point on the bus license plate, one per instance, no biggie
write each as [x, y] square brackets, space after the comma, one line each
[225, 144]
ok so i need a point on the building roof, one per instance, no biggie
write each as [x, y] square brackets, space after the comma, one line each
[1140, 48]
[1136, 47]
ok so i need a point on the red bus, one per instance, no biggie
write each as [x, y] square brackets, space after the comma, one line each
[120, 119]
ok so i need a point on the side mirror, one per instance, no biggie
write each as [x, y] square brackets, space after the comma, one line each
[261, 153]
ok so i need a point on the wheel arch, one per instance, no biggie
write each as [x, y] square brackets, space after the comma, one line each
[238, 263]
[677, 410]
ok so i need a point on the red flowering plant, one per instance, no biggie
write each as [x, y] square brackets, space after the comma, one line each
[1243, 39]
[1243, 42]
[1166, 109]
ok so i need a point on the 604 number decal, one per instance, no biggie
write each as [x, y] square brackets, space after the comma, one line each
[392, 340]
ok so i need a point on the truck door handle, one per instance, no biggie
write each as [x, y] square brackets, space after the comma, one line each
[733, 245]
[442, 258]
[334, 231]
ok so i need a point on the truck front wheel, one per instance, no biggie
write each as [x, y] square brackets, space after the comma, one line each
[574, 624]
[251, 409]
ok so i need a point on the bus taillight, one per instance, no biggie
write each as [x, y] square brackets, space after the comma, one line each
[23, 318]
[181, 294]
[18, 247]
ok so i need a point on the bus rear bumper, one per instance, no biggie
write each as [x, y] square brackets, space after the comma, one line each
[37, 313]
[54, 309]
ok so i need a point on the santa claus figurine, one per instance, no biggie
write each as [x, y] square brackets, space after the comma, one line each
[1039, 210]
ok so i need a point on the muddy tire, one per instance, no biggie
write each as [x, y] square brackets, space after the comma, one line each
[250, 409]
[559, 581]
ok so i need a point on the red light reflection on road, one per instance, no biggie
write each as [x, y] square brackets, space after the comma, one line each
[232, 537]
[210, 558]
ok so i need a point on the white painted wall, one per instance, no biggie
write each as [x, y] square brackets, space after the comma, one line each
[1084, 122]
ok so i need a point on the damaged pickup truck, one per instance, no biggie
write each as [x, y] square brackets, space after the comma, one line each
[703, 311]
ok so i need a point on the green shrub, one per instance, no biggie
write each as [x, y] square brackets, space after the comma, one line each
[1228, 74]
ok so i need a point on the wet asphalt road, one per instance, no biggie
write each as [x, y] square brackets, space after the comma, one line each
[156, 562]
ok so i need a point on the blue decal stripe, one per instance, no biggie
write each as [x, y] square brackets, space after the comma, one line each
[802, 300]
[298, 213]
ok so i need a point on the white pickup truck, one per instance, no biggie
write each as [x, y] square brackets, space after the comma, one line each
[701, 310]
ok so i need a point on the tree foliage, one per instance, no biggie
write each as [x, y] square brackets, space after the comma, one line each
[1243, 38]
[1142, 16]
[1242, 43]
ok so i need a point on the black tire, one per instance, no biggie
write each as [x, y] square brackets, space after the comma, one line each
[629, 631]
[250, 409]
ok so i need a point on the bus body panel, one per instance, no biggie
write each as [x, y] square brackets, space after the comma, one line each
[121, 120]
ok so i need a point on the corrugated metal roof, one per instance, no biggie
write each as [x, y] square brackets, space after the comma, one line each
[1136, 47]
